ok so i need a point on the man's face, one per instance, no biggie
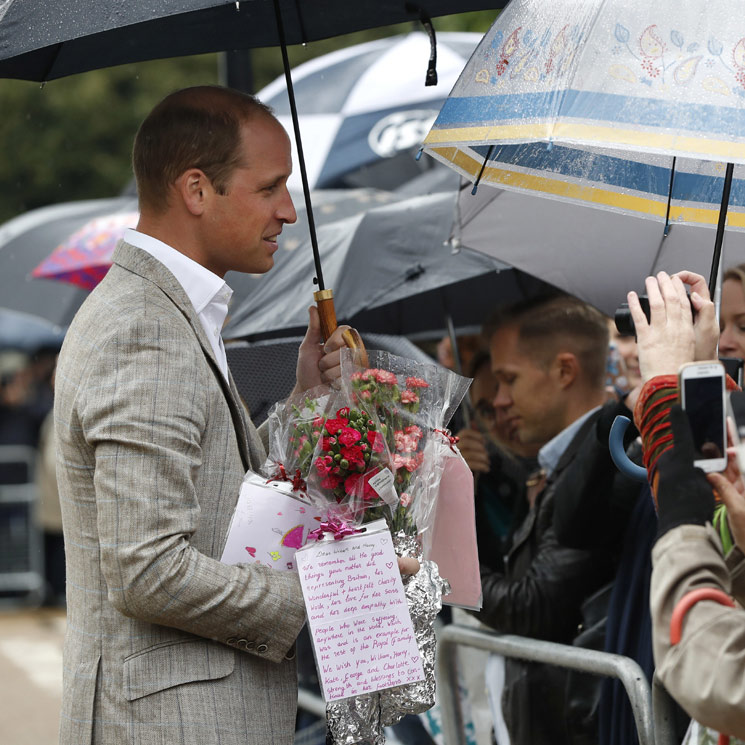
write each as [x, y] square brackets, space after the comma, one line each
[244, 223]
[529, 400]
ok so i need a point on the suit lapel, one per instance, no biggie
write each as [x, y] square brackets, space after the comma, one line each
[142, 263]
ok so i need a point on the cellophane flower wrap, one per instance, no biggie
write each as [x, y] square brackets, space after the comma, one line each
[331, 449]
[413, 402]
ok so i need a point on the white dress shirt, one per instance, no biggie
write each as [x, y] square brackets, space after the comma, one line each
[208, 293]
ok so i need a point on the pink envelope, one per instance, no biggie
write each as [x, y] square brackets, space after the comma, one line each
[452, 544]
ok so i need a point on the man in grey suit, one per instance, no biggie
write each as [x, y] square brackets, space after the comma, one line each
[164, 643]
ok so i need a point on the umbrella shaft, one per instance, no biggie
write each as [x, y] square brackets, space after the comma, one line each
[299, 145]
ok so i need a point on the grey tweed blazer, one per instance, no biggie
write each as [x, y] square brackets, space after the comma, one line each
[164, 643]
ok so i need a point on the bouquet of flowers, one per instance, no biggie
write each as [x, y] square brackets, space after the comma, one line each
[335, 452]
[413, 401]
[372, 448]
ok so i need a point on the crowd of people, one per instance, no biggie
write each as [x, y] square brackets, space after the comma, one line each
[167, 644]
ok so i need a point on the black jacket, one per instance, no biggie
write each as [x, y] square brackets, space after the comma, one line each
[539, 594]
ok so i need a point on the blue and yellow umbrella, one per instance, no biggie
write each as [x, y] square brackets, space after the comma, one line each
[635, 107]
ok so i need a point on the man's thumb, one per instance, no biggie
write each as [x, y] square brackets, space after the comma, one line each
[313, 334]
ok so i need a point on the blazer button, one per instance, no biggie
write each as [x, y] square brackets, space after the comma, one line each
[261, 648]
[242, 644]
[232, 640]
[291, 654]
[250, 645]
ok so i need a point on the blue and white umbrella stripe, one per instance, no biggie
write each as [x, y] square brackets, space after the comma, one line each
[368, 102]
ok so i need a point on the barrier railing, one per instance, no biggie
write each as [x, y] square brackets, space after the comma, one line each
[653, 710]
[586, 660]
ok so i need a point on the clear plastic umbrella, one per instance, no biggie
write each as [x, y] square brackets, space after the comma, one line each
[630, 106]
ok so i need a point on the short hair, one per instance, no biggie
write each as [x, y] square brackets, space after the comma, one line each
[197, 127]
[737, 273]
[555, 323]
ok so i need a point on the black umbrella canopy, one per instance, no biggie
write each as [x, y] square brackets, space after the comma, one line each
[42, 40]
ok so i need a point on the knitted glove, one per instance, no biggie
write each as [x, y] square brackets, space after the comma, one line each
[683, 493]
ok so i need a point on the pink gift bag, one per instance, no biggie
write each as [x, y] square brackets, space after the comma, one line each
[452, 540]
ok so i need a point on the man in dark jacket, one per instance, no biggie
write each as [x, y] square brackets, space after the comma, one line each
[549, 358]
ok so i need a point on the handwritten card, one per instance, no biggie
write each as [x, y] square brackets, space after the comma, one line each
[357, 613]
[269, 525]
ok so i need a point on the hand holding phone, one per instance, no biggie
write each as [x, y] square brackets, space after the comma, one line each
[702, 396]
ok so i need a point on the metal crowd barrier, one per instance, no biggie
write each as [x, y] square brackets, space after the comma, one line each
[653, 710]
[533, 650]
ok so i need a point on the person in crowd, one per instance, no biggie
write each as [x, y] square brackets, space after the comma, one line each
[501, 464]
[698, 632]
[549, 358]
[164, 642]
[732, 313]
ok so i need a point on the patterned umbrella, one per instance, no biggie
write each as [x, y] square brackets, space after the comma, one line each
[632, 106]
[85, 257]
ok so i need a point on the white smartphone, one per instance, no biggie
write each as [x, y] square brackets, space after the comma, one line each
[702, 396]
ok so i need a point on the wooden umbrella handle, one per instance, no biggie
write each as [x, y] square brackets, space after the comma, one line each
[325, 303]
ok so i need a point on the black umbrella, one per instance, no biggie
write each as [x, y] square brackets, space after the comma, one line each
[39, 41]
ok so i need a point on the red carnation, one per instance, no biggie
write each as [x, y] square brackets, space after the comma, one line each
[334, 425]
[349, 436]
[376, 441]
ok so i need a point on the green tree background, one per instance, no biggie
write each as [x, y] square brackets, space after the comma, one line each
[71, 138]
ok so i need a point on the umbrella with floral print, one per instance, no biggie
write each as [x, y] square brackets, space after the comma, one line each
[635, 107]
[85, 257]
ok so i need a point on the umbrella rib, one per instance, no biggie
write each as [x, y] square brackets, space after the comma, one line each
[669, 197]
[720, 228]
[481, 171]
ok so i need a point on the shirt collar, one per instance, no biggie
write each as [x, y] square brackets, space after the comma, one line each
[550, 454]
[199, 283]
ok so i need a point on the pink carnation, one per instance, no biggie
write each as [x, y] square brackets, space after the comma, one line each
[407, 397]
[343, 412]
[406, 499]
[416, 383]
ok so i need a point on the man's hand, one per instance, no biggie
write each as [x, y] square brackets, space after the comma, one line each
[668, 340]
[318, 363]
[472, 447]
[705, 319]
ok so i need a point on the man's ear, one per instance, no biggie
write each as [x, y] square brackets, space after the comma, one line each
[194, 189]
[566, 368]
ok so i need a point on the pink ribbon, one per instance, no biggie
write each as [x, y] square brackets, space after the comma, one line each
[450, 438]
[336, 527]
[298, 483]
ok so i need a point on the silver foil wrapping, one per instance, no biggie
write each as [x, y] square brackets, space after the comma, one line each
[360, 720]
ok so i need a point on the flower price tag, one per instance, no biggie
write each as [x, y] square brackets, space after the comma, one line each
[382, 482]
[357, 613]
